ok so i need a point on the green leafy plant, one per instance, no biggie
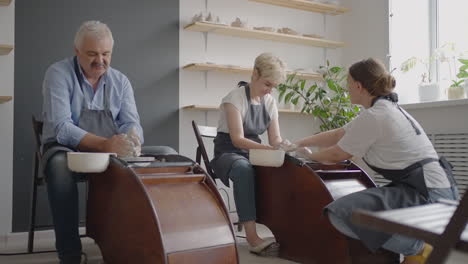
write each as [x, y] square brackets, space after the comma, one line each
[450, 55]
[462, 72]
[327, 101]
[426, 76]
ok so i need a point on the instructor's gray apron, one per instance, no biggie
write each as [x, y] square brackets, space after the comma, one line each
[98, 122]
[407, 188]
[255, 123]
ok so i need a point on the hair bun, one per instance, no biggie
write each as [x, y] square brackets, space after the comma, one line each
[392, 81]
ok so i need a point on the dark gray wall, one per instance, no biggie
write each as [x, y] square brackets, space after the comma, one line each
[146, 34]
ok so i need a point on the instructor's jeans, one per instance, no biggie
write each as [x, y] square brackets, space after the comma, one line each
[242, 175]
[398, 243]
[63, 199]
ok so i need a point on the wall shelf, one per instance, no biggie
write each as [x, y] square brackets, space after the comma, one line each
[216, 108]
[4, 99]
[264, 35]
[243, 70]
[317, 7]
[5, 2]
[5, 49]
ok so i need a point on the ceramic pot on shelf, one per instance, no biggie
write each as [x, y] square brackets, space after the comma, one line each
[455, 92]
[429, 92]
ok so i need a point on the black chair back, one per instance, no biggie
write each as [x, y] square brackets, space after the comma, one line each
[37, 128]
[200, 132]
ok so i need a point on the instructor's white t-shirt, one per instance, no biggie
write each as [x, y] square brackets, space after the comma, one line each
[238, 99]
[385, 138]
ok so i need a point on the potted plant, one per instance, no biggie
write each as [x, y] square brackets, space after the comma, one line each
[456, 90]
[448, 54]
[327, 101]
[428, 90]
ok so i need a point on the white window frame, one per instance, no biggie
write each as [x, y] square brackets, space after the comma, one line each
[434, 43]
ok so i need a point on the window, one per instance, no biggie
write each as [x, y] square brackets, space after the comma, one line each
[435, 32]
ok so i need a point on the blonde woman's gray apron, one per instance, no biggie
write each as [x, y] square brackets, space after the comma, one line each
[98, 122]
[255, 123]
[407, 188]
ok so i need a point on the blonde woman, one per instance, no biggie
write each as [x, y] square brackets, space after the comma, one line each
[247, 112]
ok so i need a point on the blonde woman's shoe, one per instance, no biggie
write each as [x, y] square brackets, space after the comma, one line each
[268, 248]
[421, 258]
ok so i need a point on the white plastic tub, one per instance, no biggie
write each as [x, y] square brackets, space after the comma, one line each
[266, 157]
[88, 162]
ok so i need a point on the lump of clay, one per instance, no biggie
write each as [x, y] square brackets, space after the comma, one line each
[197, 18]
[209, 18]
[268, 29]
[239, 23]
[312, 36]
[288, 31]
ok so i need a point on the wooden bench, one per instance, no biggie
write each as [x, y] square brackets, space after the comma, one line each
[442, 224]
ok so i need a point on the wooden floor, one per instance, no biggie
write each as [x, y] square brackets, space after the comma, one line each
[94, 255]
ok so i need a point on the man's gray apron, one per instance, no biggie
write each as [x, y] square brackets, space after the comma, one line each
[98, 122]
[255, 123]
[407, 188]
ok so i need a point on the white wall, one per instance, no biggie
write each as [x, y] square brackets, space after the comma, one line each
[365, 28]
[7, 20]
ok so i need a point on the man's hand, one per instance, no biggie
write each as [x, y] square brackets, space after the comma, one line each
[119, 144]
[132, 135]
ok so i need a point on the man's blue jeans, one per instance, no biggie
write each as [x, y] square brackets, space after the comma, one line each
[63, 199]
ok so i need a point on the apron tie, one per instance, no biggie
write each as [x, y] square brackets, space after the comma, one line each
[393, 97]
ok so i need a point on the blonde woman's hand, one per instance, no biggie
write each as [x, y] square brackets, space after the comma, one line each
[287, 146]
[303, 152]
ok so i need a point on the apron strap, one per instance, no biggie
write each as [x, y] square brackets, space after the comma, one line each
[393, 97]
[403, 171]
[412, 175]
[247, 92]
[80, 82]
[106, 98]
[77, 73]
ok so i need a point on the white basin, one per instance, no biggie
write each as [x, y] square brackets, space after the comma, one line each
[88, 162]
[266, 157]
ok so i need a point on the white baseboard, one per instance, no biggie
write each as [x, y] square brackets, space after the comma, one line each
[20, 239]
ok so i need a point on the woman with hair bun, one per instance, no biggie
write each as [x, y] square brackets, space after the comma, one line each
[393, 144]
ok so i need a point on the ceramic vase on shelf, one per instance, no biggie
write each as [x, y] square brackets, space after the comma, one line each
[456, 92]
[429, 92]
